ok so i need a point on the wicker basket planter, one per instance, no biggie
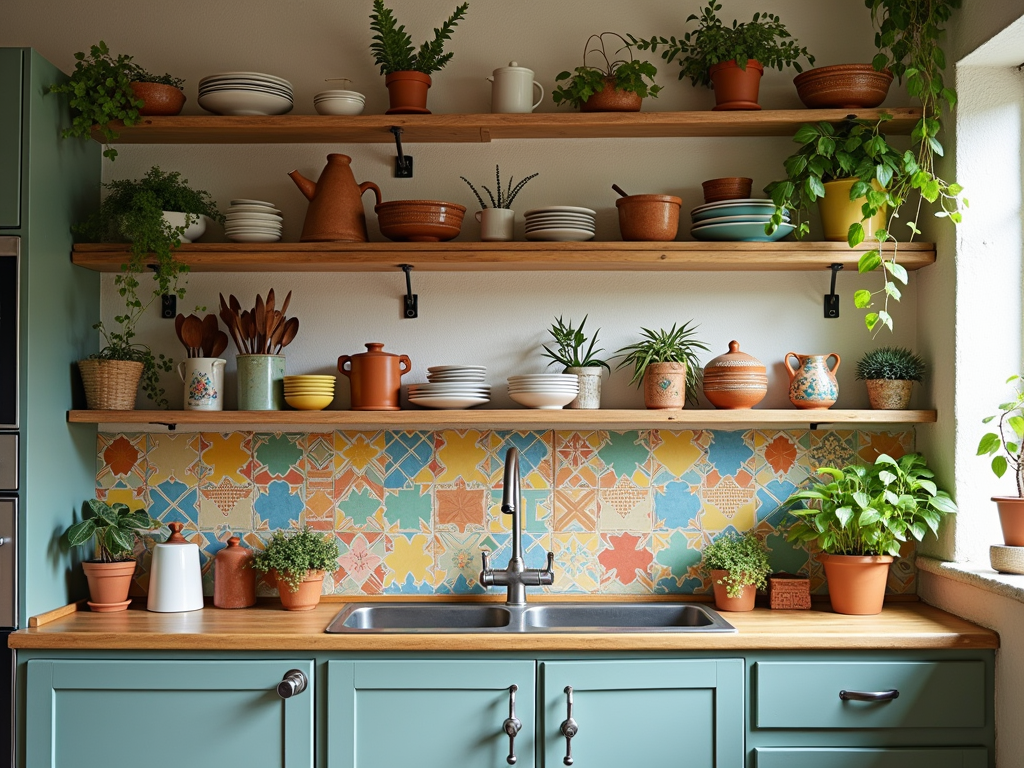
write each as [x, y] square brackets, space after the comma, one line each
[110, 385]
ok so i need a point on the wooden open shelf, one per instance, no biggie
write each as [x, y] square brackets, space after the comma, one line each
[499, 257]
[375, 129]
[518, 419]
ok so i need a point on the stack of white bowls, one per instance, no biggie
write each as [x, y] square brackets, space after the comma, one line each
[339, 102]
[741, 220]
[253, 221]
[452, 387]
[549, 391]
[245, 93]
[562, 223]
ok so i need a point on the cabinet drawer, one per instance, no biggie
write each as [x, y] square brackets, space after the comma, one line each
[940, 694]
[953, 757]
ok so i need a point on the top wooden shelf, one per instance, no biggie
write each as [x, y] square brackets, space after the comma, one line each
[375, 129]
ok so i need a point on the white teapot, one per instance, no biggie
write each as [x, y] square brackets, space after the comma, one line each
[512, 89]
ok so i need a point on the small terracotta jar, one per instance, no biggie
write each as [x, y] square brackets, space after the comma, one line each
[376, 378]
[234, 581]
[812, 385]
[735, 379]
[665, 386]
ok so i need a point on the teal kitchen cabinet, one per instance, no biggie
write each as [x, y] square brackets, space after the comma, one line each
[10, 137]
[167, 714]
[956, 757]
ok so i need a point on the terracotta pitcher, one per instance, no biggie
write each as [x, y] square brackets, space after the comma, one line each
[376, 378]
[335, 212]
[813, 384]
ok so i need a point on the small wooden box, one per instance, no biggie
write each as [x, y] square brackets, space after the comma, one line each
[787, 591]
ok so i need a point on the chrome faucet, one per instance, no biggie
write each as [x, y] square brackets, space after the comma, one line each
[516, 576]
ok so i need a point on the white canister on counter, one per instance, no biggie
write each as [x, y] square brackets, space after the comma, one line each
[512, 89]
[203, 378]
[175, 581]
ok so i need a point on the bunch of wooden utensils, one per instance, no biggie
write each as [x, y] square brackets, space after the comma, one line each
[263, 330]
[201, 338]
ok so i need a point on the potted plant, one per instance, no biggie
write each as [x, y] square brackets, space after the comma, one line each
[497, 222]
[160, 94]
[667, 365]
[1006, 447]
[115, 529]
[730, 59]
[154, 213]
[738, 566]
[890, 373]
[617, 85]
[407, 71]
[859, 516]
[568, 352]
[296, 563]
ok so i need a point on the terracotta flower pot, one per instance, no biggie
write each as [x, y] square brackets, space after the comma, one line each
[856, 584]
[158, 98]
[665, 386]
[109, 584]
[306, 597]
[612, 99]
[889, 394]
[649, 217]
[736, 88]
[838, 212]
[726, 188]
[843, 86]
[743, 602]
[407, 93]
[1011, 519]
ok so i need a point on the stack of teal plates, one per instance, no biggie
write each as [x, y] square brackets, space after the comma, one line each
[740, 220]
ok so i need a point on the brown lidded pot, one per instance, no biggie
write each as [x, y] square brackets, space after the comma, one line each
[727, 188]
[649, 217]
[376, 378]
[234, 581]
[735, 379]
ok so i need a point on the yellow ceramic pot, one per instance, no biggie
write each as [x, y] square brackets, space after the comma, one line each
[838, 211]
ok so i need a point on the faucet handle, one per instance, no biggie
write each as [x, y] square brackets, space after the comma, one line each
[547, 576]
[486, 574]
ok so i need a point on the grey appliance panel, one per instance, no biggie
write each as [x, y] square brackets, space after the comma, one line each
[11, 74]
[8, 462]
[9, 563]
[10, 248]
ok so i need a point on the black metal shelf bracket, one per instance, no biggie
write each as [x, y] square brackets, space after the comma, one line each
[410, 305]
[403, 163]
[832, 298]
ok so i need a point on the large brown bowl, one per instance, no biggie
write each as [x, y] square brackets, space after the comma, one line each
[648, 217]
[158, 98]
[420, 221]
[843, 86]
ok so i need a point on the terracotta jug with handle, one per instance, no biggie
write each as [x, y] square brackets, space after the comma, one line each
[376, 378]
[812, 384]
[335, 212]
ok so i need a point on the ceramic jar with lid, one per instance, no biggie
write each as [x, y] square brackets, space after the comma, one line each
[376, 377]
[735, 380]
[175, 581]
[234, 580]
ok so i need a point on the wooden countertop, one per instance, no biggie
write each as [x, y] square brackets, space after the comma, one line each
[906, 625]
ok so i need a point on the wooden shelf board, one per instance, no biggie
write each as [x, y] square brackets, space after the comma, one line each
[506, 257]
[374, 129]
[500, 419]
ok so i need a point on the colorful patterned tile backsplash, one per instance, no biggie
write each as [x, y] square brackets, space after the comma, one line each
[623, 512]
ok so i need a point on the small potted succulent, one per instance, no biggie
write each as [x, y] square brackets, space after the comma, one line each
[296, 563]
[1006, 447]
[407, 70]
[497, 222]
[115, 529]
[614, 85]
[568, 352]
[738, 566]
[730, 59]
[666, 364]
[890, 373]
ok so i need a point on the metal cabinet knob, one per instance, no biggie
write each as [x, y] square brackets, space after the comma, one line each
[293, 683]
[512, 725]
[569, 727]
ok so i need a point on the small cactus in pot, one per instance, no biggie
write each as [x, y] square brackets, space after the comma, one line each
[890, 373]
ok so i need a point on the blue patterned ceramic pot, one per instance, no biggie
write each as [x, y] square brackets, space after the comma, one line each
[812, 384]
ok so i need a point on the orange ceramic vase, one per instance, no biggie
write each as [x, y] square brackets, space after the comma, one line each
[856, 583]
[736, 88]
[812, 384]
[306, 597]
[1011, 519]
[407, 93]
[234, 581]
[109, 584]
[743, 602]
[665, 386]
[376, 377]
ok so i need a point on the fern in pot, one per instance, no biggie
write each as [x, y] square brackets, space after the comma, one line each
[296, 563]
[665, 363]
[570, 354]
[890, 373]
[738, 566]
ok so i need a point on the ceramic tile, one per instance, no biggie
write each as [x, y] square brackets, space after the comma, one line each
[626, 560]
[460, 508]
[461, 455]
[577, 568]
[278, 457]
[535, 463]
[577, 459]
[627, 456]
[625, 507]
[408, 456]
[361, 564]
[173, 458]
[407, 510]
[409, 564]
[674, 454]
[457, 560]
[121, 460]
[535, 516]
[575, 509]
[226, 457]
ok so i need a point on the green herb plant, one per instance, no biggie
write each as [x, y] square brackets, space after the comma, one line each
[869, 509]
[1006, 444]
[114, 527]
[764, 39]
[392, 46]
[584, 81]
[569, 341]
[894, 363]
[140, 75]
[744, 557]
[503, 199]
[294, 555]
[675, 345]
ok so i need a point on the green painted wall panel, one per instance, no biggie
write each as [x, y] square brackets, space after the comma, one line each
[10, 137]
[871, 758]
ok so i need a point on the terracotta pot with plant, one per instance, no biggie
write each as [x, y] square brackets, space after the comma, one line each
[730, 59]
[890, 373]
[296, 563]
[568, 352]
[407, 71]
[616, 85]
[859, 516]
[115, 529]
[1006, 447]
[161, 95]
[738, 566]
[665, 363]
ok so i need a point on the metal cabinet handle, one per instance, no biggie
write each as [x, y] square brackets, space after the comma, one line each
[569, 727]
[869, 695]
[512, 725]
[293, 683]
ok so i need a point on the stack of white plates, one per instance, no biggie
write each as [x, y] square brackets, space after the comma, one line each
[245, 93]
[561, 223]
[339, 102]
[252, 221]
[452, 387]
[549, 391]
[737, 220]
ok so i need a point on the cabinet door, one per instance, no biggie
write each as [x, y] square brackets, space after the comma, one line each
[167, 714]
[10, 137]
[666, 713]
[427, 714]
[951, 757]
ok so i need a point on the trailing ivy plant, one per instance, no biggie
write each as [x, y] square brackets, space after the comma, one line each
[504, 198]
[569, 341]
[675, 345]
[744, 557]
[294, 555]
[586, 80]
[392, 46]
[114, 527]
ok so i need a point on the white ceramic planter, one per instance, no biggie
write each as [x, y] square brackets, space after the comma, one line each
[194, 230]
[589, 397]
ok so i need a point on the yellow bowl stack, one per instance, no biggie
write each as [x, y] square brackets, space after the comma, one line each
[309, 393]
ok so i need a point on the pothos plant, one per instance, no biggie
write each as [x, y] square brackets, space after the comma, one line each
[1006, 444]
[628, 74]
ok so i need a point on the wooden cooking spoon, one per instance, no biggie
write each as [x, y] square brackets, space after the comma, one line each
[210, 331]
[192, 334]
[220, 343]
[291, 327]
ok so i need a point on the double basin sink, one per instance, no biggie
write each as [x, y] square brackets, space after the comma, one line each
[449, 618]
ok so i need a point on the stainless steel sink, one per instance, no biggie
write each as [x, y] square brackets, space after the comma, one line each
[450, 618]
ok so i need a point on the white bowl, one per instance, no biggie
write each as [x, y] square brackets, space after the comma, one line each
[244, 103]
[250, 216]
[555, 377]
[253, 237]
[193, 231]
[339, 106]
[339, 94]
[548, 401]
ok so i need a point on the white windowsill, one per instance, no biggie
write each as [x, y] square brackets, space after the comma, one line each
[978, 575]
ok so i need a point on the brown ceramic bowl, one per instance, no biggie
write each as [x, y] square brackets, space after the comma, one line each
[649, 217]
[420, 221]
[159, 99]
[727, 188]
[843, 86]
[610, 99]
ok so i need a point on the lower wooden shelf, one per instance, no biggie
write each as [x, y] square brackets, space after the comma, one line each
[517, 419]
